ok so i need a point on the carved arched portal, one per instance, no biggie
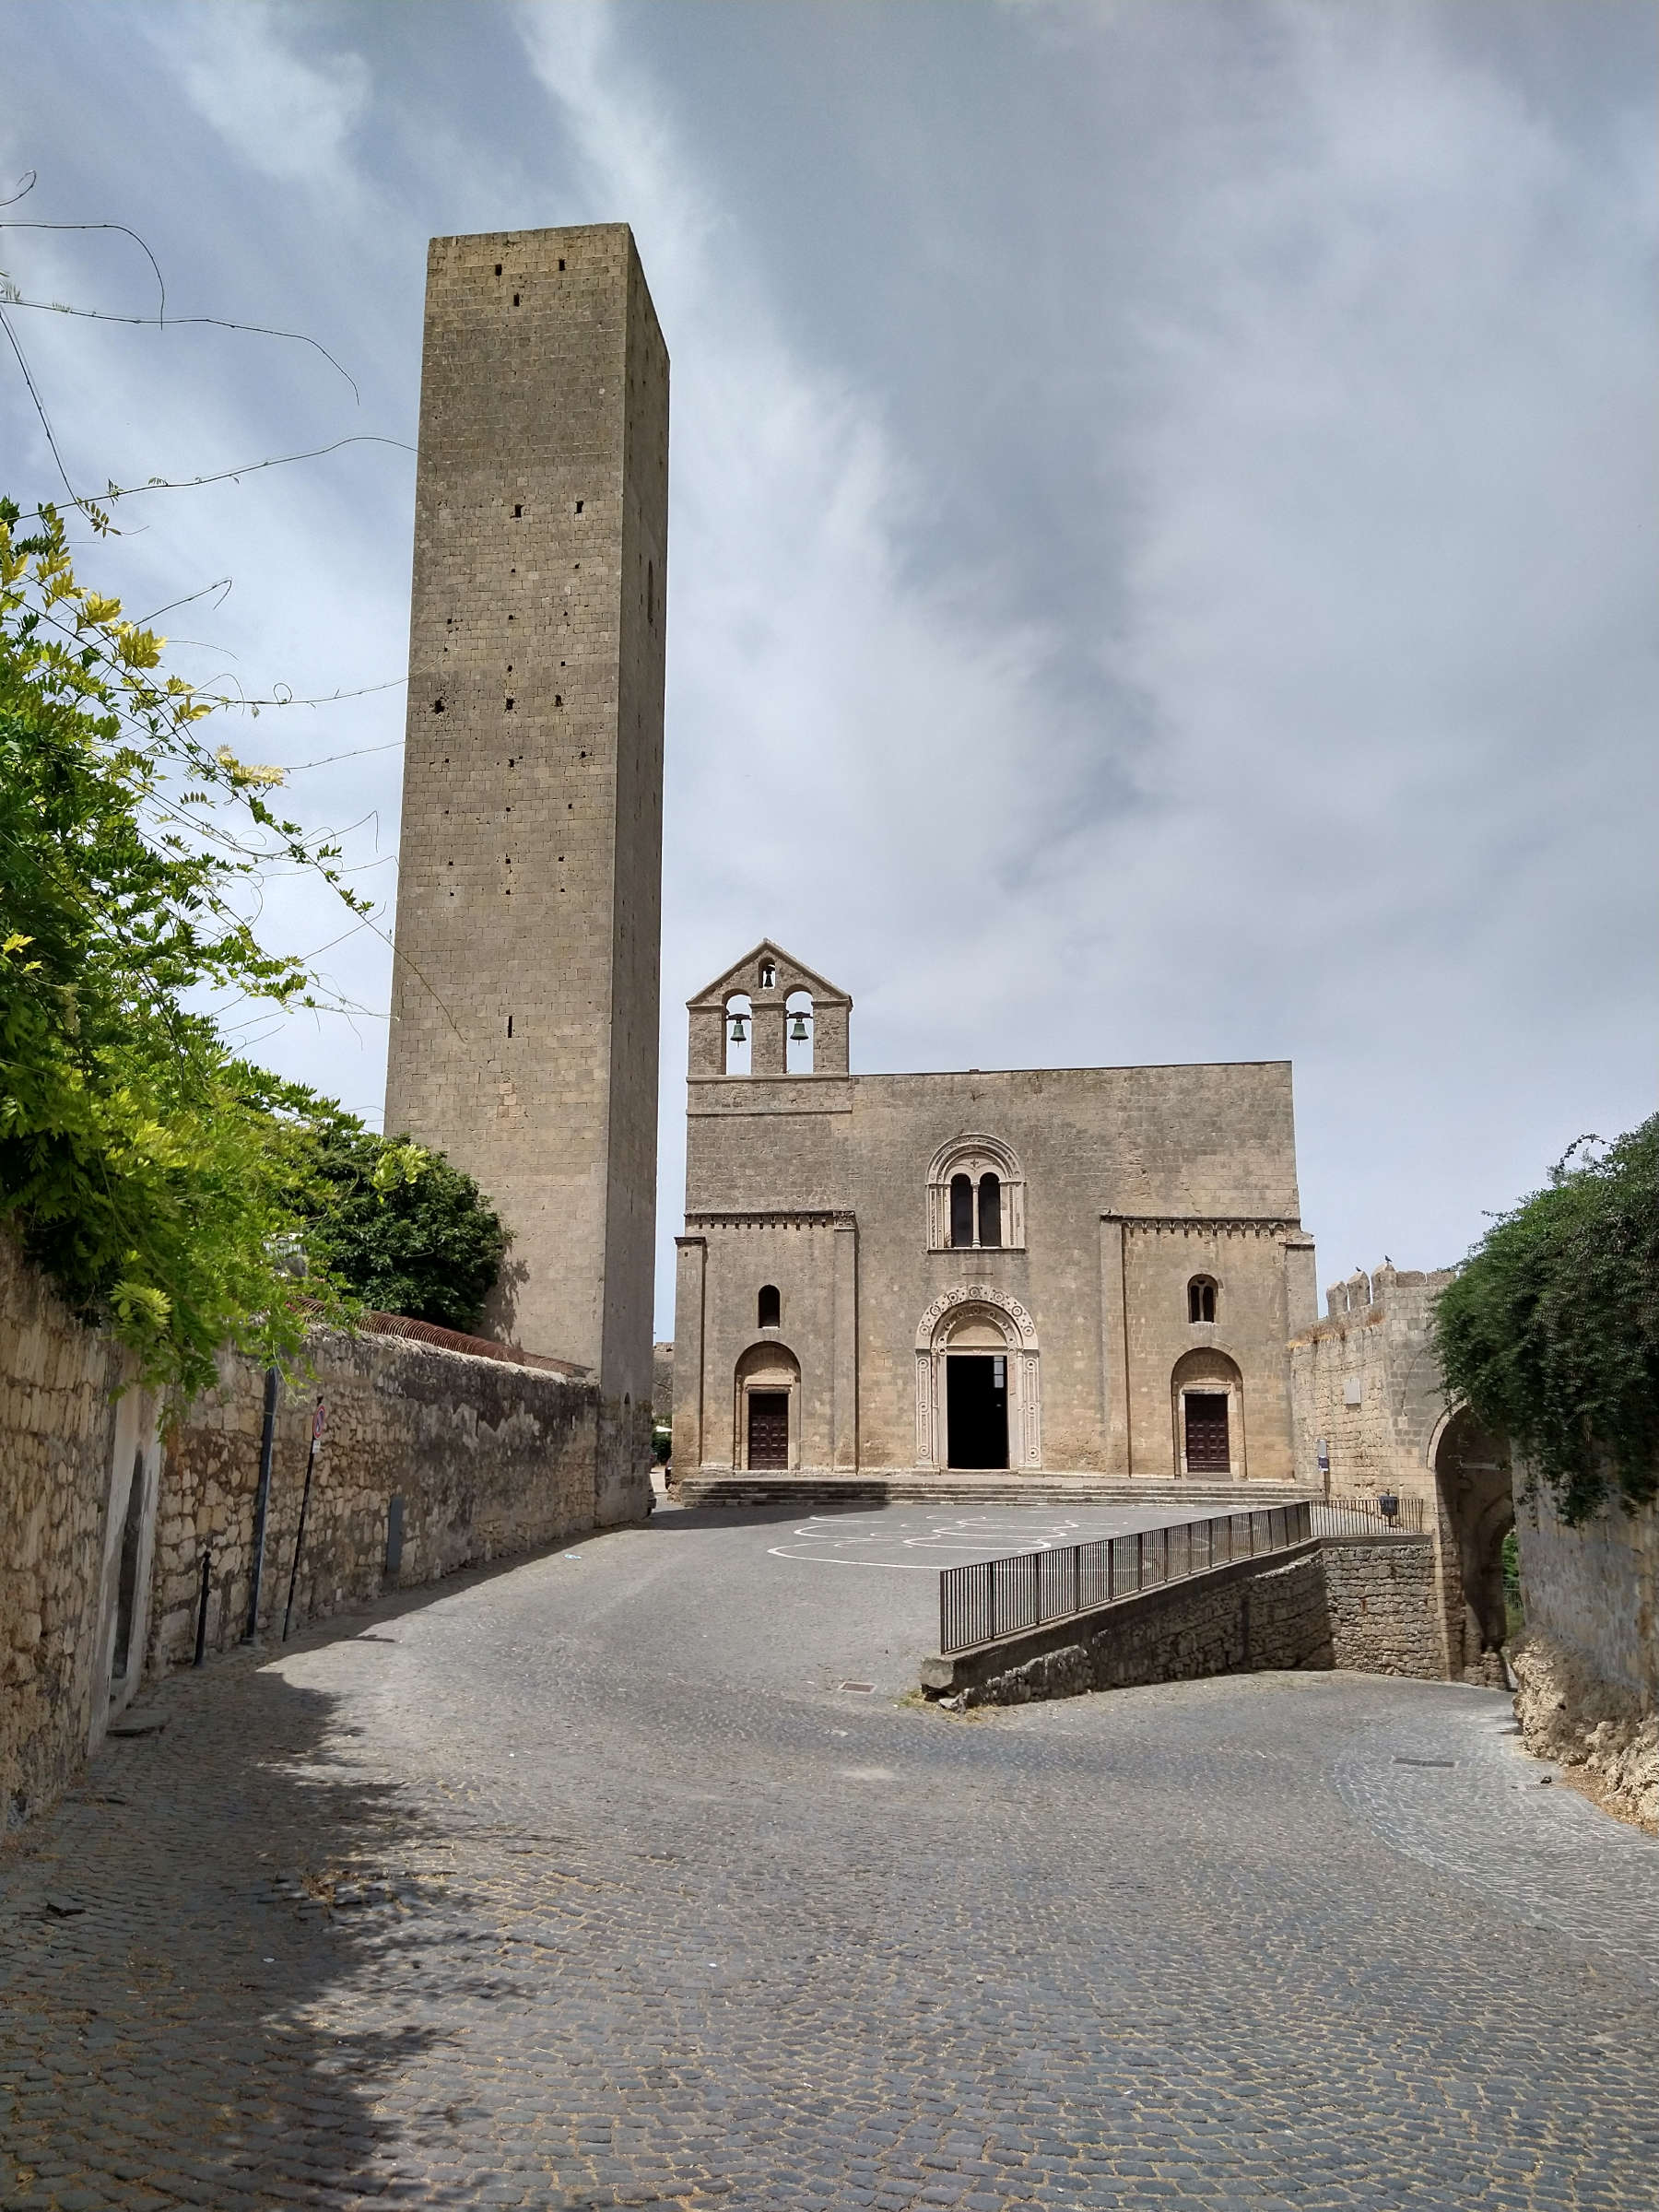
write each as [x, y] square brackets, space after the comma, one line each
[981, 1331]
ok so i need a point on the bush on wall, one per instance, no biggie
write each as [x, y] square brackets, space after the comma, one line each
[1552, 1329]
[159, 1179]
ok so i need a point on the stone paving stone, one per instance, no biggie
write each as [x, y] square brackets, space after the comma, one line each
[708, 1938]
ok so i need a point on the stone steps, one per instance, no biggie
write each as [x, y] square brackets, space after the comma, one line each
[811, 1491]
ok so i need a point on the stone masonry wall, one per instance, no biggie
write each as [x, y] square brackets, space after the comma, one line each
[1383, 1606]
[104, 1523]
[1333, 1604]
[1588, 1664]
[58, 1436]
[488, 1460]
[1366, 1383]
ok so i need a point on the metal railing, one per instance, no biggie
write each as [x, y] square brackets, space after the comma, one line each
[1386, 1515]
[989, 1598]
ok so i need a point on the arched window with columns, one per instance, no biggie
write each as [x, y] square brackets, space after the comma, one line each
[975, 1196]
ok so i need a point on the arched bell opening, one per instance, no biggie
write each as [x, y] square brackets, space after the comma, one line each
[798, 1033]
[737, 1033]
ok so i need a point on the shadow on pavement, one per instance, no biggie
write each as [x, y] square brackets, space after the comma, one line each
[183, 1942]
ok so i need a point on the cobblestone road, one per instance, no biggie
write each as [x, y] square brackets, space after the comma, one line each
[584, 1885]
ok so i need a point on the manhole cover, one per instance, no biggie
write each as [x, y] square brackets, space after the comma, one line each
[863, 1688]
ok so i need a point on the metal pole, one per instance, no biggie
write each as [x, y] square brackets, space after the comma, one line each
[262, 1500]
[310, 1461]
[202, 1609]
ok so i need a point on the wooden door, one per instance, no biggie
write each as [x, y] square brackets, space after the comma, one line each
[768, 1429]
[1206, 1444]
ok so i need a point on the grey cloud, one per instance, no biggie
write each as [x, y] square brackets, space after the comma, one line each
[1159, 561]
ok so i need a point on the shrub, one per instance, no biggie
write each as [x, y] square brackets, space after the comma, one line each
[1552, 1329]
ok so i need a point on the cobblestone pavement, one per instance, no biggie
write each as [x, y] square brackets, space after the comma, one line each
[583, 1884]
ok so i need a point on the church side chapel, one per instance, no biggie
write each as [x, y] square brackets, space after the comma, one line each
[1076, 1269]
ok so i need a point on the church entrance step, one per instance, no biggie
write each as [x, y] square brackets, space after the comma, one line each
[814, 1493]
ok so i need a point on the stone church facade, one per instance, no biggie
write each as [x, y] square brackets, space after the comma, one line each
[1088, 1269]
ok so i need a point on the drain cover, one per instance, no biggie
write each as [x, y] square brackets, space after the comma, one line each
[1401, 1761]
[863, 1688]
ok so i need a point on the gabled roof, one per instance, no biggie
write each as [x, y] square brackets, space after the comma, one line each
[793, 975]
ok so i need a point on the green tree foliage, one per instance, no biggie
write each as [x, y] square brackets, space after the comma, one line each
[156, 1176]
[1551, 1330]
[397, 1225]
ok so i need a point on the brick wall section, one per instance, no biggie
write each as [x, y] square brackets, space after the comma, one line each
[62, 1435]
[1333, 1604]
[488, 1459]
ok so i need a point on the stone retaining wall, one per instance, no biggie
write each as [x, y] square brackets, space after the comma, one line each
[104, 1523]
[1382, 1602]
[1334, 1602]
[66, 1440]
[1588, 1664]
[485, 1460]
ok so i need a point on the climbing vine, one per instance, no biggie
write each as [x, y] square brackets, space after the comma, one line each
[1552, 1329]
[164, 1183]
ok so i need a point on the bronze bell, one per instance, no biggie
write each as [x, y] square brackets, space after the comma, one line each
[738, 1031]
[797, 1034]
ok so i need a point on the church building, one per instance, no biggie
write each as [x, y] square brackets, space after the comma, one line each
[1076, 1269]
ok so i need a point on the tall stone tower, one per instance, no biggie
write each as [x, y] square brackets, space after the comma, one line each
[524, 1001]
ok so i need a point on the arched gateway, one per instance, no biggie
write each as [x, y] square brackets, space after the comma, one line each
[978, 1393]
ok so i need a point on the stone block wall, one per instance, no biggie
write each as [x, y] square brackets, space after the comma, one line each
[1366, 1383]
[1382, 1602]
[104, 1519]
[66, 1442]
[1588, 1664]
[487, 1460]
[1333, 1602]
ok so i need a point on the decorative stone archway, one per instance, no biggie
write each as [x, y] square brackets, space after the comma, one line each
[987, 1315]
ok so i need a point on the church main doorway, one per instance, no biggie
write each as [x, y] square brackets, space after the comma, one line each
[976, 1409]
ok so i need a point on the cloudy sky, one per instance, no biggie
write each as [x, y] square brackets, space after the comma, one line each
[1162, 559]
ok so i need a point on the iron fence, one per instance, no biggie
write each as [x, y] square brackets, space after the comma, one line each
[1385, 1514]
[989, 1598]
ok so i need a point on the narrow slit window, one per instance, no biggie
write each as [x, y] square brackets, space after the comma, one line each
[770, 1307]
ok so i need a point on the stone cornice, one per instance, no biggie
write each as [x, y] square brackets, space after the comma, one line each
[775, 1218]
[1227, 1224]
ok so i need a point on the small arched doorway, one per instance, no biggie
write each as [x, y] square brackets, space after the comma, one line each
[1476, 1510]
[1206, 1404]
[767, 1431]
